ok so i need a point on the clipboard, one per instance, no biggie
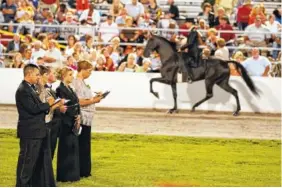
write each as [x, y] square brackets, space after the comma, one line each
[105, 94]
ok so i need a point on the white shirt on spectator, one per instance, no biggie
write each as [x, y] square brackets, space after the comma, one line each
[256, 67]
[85, 30]
[257, 34]
[56, 54]
[134, 10]
[36, 54]
[96, 18]
[274, 27]
[69, 51]
[222, 53]
[108, 31]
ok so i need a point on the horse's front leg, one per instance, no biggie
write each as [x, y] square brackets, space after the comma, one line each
[161, 80]
[174, 93]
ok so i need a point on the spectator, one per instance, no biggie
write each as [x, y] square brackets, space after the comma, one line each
[81, 5]
[37, 51]
[173, 10]
[221, 52]
[129, 35]
[257, 11]
[257, 65]
[71, 41]
[129, 65]
[277, 13]
[211, 40]
[224, 26]
[9, 10]
[256, 34]
[274, 27]
[54, 31]
[53, 57]
[155, 62]
[120, 20]
[50, 5]
[61, 13]
[26, 25]
[146, 64]
[15, 44]
[17, 61]
[116, 8]
[100, 64]
[220, 14]
[85, 29]
[134, 10]
[207, 15]
[203, 27]
[154, 10]
[108, 30]
[88, 45]
[24, 7]
[68, 30]
[168, 23]
[243, 14]
[91, 16]
[109, 65]
[27, 57]
[71, 63]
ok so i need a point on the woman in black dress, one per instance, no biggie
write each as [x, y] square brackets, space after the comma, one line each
[68, 168]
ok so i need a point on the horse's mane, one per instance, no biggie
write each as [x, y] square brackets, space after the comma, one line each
[167, 41]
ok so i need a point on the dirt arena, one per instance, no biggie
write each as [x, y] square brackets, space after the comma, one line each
[185, 123]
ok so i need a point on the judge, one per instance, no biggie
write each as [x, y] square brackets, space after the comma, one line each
[34, 163]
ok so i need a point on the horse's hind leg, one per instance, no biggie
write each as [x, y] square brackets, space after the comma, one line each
[225, 85]
[161, 80]
[209, 87]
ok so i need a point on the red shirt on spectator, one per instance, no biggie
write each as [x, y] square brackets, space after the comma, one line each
[110, 64]
[49, 2]
[226, 36]
[82, 5]
[243, 13]
[184, 26]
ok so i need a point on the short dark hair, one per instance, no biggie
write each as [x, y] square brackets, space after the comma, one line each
[29, 68]
[43, 69]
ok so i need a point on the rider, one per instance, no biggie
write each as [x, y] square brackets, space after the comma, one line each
[192, 54]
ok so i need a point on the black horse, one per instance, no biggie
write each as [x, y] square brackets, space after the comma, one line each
[213, 71]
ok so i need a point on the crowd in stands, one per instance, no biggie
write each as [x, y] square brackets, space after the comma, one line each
[96, 37]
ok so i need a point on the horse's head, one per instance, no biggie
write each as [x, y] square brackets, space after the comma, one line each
[152, 44]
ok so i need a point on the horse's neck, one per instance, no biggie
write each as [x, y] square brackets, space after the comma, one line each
[166, 52]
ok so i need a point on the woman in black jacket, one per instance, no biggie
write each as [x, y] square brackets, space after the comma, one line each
[68, 168]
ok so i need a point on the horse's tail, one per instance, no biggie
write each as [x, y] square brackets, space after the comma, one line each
[239, 67]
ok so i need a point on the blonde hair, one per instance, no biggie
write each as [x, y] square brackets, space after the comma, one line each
[213, 31]
[61, 73]
[220, 42]
[240, 55]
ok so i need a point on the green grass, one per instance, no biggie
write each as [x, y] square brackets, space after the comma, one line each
[135, 160]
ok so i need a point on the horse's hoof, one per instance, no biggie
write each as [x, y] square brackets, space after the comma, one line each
[156, 94]
[235, 113]
[193, 110]
[172, 111]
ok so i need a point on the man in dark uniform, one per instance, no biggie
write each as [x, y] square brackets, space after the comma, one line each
[192, 44]
[34, 163]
